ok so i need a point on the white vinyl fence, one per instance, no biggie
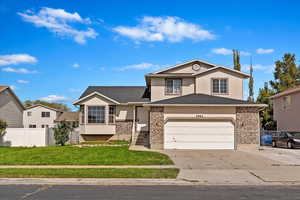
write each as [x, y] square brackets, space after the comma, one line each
[24, 137]
[28, 137]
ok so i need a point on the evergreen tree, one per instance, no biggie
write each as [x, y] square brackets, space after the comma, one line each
[236, 60]
[266, 115]
[251, 84]
[286, 74]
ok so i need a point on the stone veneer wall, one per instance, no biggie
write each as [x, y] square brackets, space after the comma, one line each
[123, 130]
[156, 127]
[247, 125]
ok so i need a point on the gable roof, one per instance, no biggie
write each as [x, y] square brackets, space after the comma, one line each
[287, 92]
[203, 99]
[181, 64]
[68, 116]
[119, 94]
[225, 68]
[4, 87]
[47, 107]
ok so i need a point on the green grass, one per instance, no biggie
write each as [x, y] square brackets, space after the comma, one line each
[70, 155]
[111, 142]
[88, 173]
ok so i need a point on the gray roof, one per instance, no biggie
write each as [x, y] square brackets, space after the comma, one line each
[200, 99]
[121, 94]
[68, 116]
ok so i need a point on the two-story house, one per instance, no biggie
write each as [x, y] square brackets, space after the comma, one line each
[40, 116]
[193, 105]
[286, 107]
[11, 108]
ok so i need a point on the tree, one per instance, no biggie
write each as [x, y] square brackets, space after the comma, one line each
[3, 126]
[266, 115]
[251, 83]
[61, 132]
[287, 74]
[236, 60]
[58, 106]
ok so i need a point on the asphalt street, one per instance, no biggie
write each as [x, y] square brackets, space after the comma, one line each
[85, 192]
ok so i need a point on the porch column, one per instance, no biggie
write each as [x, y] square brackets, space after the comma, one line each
[133, 125]
[156, 127]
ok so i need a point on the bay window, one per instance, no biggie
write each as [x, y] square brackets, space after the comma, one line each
[96, 114]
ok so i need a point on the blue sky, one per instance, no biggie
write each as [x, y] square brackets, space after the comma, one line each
[53, 50]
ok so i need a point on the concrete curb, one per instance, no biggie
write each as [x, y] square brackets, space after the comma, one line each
[116, 181]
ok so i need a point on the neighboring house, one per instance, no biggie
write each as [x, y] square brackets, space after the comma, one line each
[71, 117]
[194, 105]
[286, 106]
[11, 108]
[40, 116]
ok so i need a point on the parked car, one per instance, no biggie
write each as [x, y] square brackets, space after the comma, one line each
[286, 139]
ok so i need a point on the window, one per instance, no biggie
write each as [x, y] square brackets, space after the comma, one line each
[45, 126]
[111, 114]
[29, 114]
[220, 86]
[173, 86]
[287, 101]
[96, 114]
[45, 114]
[32, 126]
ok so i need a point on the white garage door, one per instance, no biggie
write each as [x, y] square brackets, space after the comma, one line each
[182, 134]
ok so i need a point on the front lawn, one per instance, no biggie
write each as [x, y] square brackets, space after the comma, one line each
[70, 155]
[88, 173]
[110, 142]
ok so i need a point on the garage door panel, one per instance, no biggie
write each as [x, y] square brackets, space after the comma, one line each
[199, 135]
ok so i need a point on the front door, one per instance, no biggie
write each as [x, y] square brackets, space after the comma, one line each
[142, 119]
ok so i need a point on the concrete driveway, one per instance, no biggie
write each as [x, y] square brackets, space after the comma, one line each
[218, 159]
[229, 167]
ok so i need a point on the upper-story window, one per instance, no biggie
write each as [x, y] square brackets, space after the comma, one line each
[29, 113]
[96, 114]
[45, 114]
[173, 86]
[220, 86]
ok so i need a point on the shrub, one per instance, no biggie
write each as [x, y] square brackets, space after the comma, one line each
[3, 126]
[62, 132]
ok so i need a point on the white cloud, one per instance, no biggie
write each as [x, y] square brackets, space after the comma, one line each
[141, 66]
[22, 81]
[76, 65]
[74, 90]
[172, 29]
[245, 53]
[59, 22]
[15, 59]
[19, 70]
[13, 87]
[53, 98]
[264, 51]
[258, 67]
[222, 51]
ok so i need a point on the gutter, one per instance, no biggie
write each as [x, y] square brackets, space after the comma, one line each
[207, 105]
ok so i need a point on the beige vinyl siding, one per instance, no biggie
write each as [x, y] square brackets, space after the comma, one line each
[37, 119]
[188, 68]
[158, 88]
[287, 118]
[10, 110]
[124, 113]
[206, 112]
[235, 83]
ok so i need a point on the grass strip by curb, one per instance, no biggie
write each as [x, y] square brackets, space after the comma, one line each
[88, 173]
